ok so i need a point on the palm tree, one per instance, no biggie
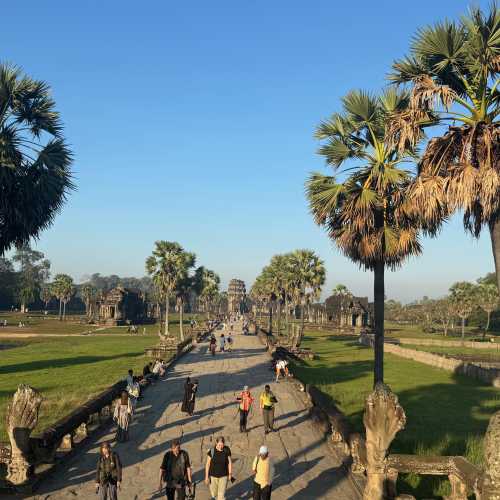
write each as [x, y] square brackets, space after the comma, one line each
[34, 158]
[452, 71]
[166, 267]
[344, 293]
[184, 284]
[62, 288]
[46, 295]
[88, 293]
[309, 278]
[367, 214]
[207, 287]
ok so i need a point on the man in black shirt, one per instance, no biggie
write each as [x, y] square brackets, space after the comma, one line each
[175, 470]
[219, 469]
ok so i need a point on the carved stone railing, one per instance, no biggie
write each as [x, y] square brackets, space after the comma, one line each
[383, 418]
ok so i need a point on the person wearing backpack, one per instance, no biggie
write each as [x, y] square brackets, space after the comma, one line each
[219, 469]
[245, 401]
[109, 473]
[263, 468]
[176, 472]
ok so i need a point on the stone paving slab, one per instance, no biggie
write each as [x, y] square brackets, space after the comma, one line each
[306, 468]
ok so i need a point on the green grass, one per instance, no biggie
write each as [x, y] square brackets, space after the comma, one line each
[492, 354]
[38, 323]
[447, 414]
[67, 370]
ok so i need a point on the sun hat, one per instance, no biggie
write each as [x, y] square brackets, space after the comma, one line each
[263, 450]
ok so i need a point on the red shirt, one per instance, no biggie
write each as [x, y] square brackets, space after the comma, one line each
[246, 400]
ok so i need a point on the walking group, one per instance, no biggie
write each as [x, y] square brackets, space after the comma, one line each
[176, 474]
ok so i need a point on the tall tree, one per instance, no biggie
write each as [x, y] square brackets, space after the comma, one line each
[367, 214]
[34, 158]
[184, 285]
[89, 295]
[452, 71]
[463, 296]
[206, 285]
[46, 295]
[488, 300]
[62, 288]
[165, 266]
[34, 271]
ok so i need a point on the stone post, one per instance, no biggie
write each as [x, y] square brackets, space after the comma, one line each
[490, 482]
[22, 417]
[383, 418]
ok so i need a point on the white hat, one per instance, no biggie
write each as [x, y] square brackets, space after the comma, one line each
[245, 387]
[263, 450]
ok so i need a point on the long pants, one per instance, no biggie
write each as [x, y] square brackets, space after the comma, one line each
[108, 492]
[218, 487]
[243, 420]
[268, 416]
[260, 493]
[175, 493]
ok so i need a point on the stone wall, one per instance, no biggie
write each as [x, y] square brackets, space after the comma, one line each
[487, 375]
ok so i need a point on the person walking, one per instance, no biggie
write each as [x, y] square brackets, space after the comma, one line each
[190, 389]
[122, 417]
[222, 342]
[245, 404]
[213, 345]
[175, 472]
[267, 402]
[229, 341]
[109, 473]
[218, 469]
[263, 468]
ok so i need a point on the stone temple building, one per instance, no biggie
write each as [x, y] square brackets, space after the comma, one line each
[121, 306]
[236, 295]
[349, 311]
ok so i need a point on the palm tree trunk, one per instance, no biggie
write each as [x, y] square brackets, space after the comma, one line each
[64, 311]
[463, 327]
[287, 316]
[167, 306]
[302, 318]
[488, 316]
[181, 319]
[279, 316]
[270, 317]
[495, 246]
[378, 299]
[60, 309]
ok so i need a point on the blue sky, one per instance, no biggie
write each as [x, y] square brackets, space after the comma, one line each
[193, 122]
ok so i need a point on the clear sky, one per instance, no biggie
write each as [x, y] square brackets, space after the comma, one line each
[193, 122]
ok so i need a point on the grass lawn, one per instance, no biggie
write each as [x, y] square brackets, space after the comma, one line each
[492, 354]
[67, 370]
[447, 414]
[38, 323]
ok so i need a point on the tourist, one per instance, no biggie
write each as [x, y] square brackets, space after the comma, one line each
[263, 468]
[213, 345]
[134, 391]
[146, 372]
[229, 341]
[189, 399]
[122, 417]
[267, 402]
[156, 369]
[222, 342]
[109, 473]
[281, 368]
[245, 404]
[218, 469]
[175, 471]
[130, 377]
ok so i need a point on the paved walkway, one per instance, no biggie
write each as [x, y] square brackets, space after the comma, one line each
[305, 466]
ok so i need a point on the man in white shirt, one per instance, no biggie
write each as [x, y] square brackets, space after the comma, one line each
[281, 364]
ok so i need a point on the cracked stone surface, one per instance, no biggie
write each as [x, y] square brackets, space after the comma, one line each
[306, 467]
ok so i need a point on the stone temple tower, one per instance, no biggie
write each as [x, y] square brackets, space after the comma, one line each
[236, 294]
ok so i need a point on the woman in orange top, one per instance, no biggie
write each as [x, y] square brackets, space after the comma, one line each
[245, 399]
